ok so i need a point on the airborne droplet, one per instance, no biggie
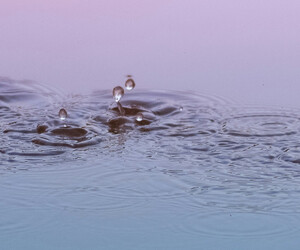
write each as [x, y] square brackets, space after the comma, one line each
[118, 92]
[62, 114]
[129, 84]
[139, 117]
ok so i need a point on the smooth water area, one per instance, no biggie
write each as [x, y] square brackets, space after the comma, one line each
[196, 172]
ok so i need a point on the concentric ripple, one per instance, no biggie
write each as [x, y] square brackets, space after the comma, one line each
[186, 152]
[261, 124]
[240, 225]
[91, 120]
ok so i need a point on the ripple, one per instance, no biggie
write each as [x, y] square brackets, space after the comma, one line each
[14, 92]
[92, 117]
[116, 190]
[240, 225]
[18, 220]
[261, 124]
[190, 150]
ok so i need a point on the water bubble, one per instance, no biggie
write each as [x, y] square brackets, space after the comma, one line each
[118, 92]
[139, 117]
[129, 84]
[62, 114]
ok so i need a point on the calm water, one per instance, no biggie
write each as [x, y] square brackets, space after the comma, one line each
[198, 172]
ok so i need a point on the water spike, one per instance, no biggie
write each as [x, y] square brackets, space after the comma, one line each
[121, 109]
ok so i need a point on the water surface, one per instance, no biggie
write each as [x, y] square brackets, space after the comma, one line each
[198, 172]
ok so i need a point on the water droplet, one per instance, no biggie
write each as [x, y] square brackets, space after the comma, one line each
[118, 92]
[181, 109]
[62, 114]
[129, 84]
[139, 117]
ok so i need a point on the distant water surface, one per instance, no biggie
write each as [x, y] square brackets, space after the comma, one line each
[198, 172]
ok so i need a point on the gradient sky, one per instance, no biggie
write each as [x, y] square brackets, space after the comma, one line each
[248, 51]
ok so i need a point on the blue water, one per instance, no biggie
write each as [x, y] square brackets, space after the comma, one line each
[199, 172]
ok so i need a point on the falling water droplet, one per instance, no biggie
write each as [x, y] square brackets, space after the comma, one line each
[62, 114]
[130, 84]
[118, 92]
[139, 117]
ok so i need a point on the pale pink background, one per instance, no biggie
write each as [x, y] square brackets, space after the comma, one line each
[246, 50]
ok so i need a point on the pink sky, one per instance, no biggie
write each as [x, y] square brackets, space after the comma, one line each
[237, 49]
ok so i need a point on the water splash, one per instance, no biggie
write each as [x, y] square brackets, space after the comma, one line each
[211, 163]
[121, 109]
